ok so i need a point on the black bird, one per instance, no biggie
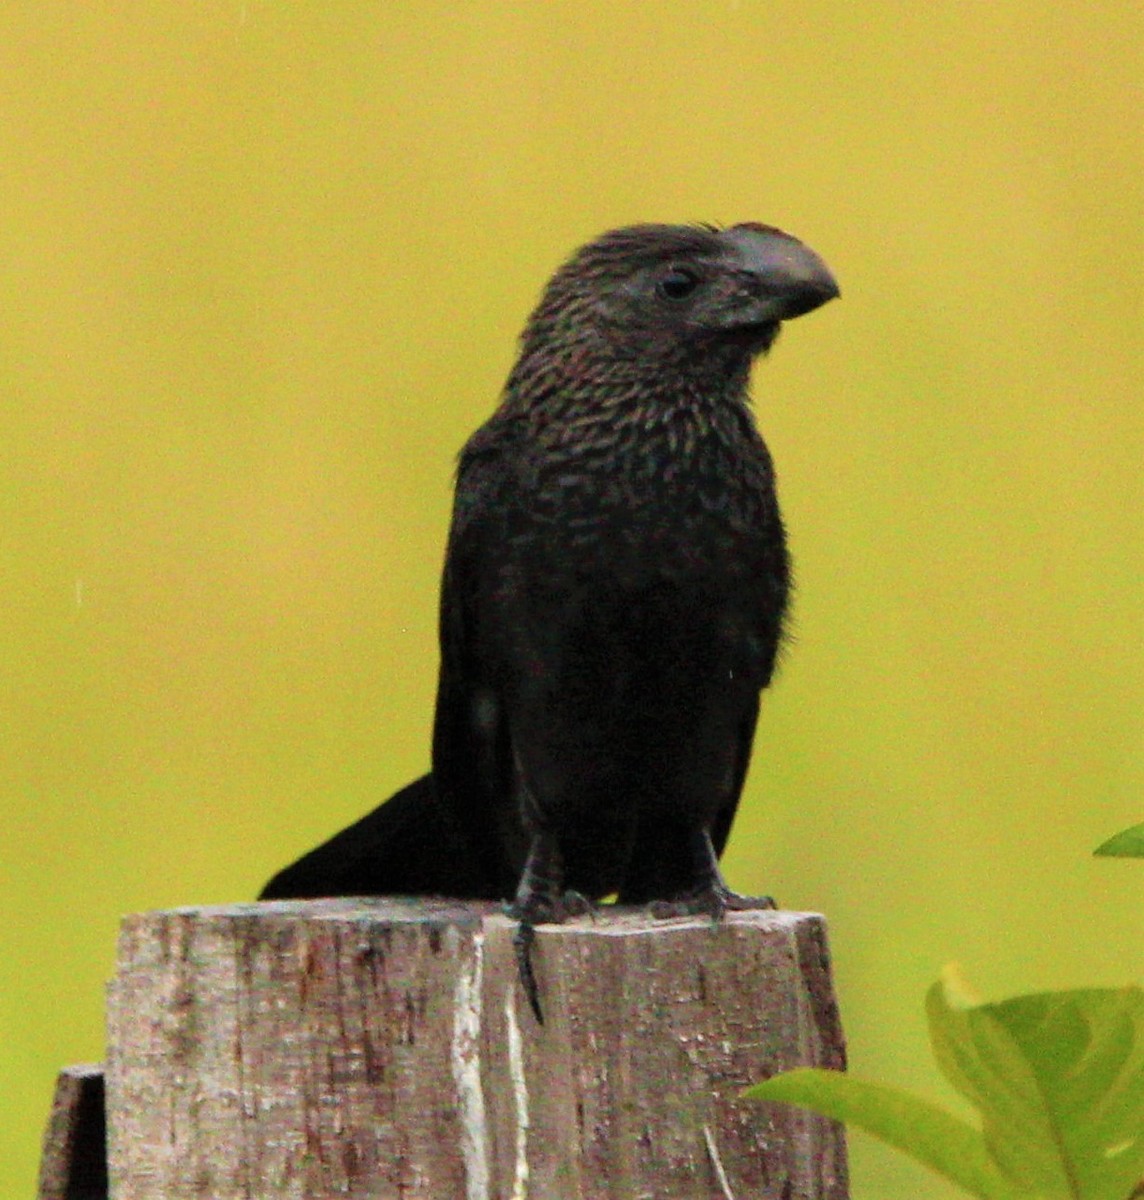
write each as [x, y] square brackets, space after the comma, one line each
[613, 597]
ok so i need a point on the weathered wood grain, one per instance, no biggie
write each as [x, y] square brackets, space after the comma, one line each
[74, 1161]
[382, 1048]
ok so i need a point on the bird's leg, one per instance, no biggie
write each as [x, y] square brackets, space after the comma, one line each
[707, 892]
[540, 899]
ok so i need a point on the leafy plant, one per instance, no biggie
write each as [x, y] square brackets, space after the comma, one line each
[1129, 843]
[1058, 1079]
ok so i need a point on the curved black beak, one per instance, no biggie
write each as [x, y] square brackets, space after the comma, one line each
[785, 277]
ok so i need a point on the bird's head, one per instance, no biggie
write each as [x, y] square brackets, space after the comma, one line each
[683, 287]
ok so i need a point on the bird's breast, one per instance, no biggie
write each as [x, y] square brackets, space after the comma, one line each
[670, 498]
[622, 565]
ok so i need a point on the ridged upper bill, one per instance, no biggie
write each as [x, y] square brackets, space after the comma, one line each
[788, 278]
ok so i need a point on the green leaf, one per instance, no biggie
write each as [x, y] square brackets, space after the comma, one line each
[1129, 843]
[1059, 1081]
[929, 1134]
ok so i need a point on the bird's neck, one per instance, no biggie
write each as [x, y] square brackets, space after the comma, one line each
[590, 380]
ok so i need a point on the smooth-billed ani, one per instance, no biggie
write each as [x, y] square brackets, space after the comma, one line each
[613, 596]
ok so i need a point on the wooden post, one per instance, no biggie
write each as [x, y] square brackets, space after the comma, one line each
[383, 1048]
[74, 1162]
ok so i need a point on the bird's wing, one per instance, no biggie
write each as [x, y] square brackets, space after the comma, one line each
[721, 826]
[472, 760]
[437, 836]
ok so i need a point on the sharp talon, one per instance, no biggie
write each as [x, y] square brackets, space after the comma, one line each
[522, 942]
[737, 903]
[710, 901]
[575, 904]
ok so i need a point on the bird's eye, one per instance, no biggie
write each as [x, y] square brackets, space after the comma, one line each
[678, 283]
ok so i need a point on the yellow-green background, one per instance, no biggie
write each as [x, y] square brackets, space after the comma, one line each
[261, 269]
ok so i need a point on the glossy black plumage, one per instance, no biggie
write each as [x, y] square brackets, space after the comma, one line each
[613, 596]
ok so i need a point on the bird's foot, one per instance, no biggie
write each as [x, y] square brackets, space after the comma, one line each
[540, 908]
[712, 899]
[576, 904]
[541, 900]
[546, 908]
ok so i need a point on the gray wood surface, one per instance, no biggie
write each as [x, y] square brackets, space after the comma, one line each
[74, 1161]
[383, 1048]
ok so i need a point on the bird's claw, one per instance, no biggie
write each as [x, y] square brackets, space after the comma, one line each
[713, 900]
[541, 908]
[522, 941]
[576, 904]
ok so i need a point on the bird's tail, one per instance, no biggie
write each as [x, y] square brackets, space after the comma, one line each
[406, 846]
